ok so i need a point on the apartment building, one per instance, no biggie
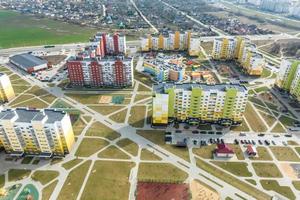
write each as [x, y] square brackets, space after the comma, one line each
[199, 103]
[241, 50]
[288, 77]
[172, 41]
[105, 44]
[102, 64]
[43, 133]
[105, 72]
[6, 90]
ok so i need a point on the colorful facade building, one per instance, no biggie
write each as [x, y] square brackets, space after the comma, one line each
[104, 44]
[172, 41]
[102, 64]
[199, 103]
[6, 90]
[165, 68]
[105, 72]
[241, 50]
[43, 133]
[288, 77]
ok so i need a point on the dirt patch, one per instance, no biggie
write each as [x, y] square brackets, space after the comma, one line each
[289, 170]
[162, 191]
[55, 59]
[201, 192]
[105, 99]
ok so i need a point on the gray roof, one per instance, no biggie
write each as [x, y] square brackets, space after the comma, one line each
[27, 60]
[26, 115]
[160, 88]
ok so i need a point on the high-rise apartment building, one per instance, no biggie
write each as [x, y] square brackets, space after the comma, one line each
[102, 64]
[105, 72]
[44, 133]
[242, 50]
[199, 103]
[6, 90]
[172, 41]
[288, 77]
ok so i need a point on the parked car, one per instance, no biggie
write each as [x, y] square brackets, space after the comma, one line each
[267, 142]
[195, 132]
[284, 143]
[236, 141]
[260, 142]
[273, 142]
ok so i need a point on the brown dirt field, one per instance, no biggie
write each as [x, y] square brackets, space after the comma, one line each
[201, 192]
[288, 170]
[55, 59]
[162, 191]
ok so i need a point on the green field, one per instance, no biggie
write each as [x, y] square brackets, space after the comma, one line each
[23, 30]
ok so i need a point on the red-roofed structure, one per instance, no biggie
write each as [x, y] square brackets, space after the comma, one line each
[251, 150]
[224, 151]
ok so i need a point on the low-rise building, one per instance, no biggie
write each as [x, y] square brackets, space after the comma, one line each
[251, 150]
[196, 103]
[6, 90]
[43, 133]
[224, 151]
[28, 62]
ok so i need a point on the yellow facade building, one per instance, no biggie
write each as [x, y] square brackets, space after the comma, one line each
[6, 90]
[43, 133]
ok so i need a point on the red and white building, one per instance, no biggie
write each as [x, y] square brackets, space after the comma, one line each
[104, 44]
[251, 150]
[224, 151]
[102, 64]
[110, 72]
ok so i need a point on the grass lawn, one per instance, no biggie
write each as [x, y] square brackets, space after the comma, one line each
[71, 163]
[241, 185]
[266, 110]
[18, 174]
[90, 146]
[38, 31]
[78, 126]
[37, 91]
[33, 103]
[236, 168]
[100, 130]
[143, 78]
[119, 117]
[49, 98]
[85, 98]
[296, 185]
[21, 88]
[108, 179]
[105, 110]
[157, 137]
[47, 191]
[257, 101]
[113, 152]
[2, 180]
[253, 120]
[263, 154]
[142, 88]
[292, 143]
[44, 177]
[253, 182]
[238, 151]
[74, 182]
[285, 154]
[87, 118]
[19, 99]
[261, 89]
[269, 170]
[160, 172]
[27, 160]
[278, 128]
[148, 155]
[205, 151]
[286, 121]
[273, 185]
[272, 106]
[268, 118]
[128, 146]
[265, 73]
[139, 97]
[137, 116]
[243, 127]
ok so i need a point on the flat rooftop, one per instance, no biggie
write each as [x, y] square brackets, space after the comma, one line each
[26, 115]
[160, 88]
[27, 60]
